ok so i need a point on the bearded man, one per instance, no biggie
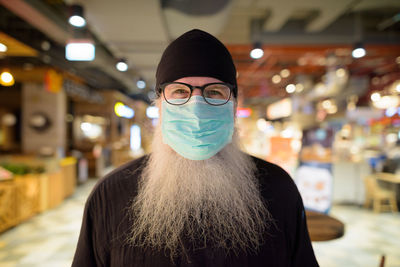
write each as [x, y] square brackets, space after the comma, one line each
[196, 200]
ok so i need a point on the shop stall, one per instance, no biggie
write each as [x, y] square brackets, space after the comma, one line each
[111, 132]
[330, 136]
[30, 185]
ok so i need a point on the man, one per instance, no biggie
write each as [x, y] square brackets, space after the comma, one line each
[196, 200]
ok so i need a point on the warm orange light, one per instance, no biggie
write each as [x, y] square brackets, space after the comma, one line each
[6, 79]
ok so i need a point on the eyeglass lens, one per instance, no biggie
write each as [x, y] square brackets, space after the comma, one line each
[214, 94]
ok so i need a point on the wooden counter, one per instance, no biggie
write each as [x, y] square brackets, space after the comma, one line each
[23, 196]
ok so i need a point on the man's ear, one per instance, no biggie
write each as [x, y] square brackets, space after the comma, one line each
[157, 102]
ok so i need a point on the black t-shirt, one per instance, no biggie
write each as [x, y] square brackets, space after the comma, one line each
[102, 241]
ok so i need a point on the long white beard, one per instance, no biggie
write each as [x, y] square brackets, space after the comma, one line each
[214, 202]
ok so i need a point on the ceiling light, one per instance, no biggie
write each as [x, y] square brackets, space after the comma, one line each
[387, 101]
[6, 79]
[3, 47]
[152, 112]
[121, 65]
[299, 87]
[351, 106]
[45, 45]
[375, 96]
[398, 88]
[326, 104]
[290, 88]
[257, 52]
[285, 73]
[46, 59]
[80, 50]
[76, 19]
[332, 109]
[141, 84]
[9, 119]
[358, 51]
[329, 106]
[276, 79]
[340, 72]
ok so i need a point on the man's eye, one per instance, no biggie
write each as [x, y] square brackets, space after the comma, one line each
[218, 93]
[180, 91]
[214, 92]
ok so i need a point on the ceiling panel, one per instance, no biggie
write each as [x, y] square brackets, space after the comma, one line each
[16, 48]
[116, 20]
[144, 59]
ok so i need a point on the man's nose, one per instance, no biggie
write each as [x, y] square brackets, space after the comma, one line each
[196, 91]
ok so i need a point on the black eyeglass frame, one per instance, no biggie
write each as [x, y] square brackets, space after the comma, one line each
[192, 87]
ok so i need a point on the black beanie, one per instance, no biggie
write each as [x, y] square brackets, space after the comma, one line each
[196, 54]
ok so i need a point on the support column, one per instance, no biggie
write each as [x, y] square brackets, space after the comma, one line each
[43, 120]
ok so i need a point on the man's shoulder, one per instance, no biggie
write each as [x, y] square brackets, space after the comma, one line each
[269, 169]
[274, 179]
[131, 169]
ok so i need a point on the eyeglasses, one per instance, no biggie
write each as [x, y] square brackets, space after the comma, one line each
[216, 94]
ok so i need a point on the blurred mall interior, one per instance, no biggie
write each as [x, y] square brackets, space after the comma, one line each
[319, 95]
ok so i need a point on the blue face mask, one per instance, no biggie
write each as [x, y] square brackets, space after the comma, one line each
[197, 130]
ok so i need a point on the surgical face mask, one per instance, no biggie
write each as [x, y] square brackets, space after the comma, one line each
[197, 130]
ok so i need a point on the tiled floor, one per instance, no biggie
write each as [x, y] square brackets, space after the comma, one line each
[49, 239]
[367, 237]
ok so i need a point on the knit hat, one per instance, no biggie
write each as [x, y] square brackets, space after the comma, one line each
[196, 54]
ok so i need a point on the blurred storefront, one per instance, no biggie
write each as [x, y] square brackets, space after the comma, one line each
[328, 144]
[56, 131]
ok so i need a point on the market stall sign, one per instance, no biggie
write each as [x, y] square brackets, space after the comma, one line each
[243, 112]
[53, 81]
